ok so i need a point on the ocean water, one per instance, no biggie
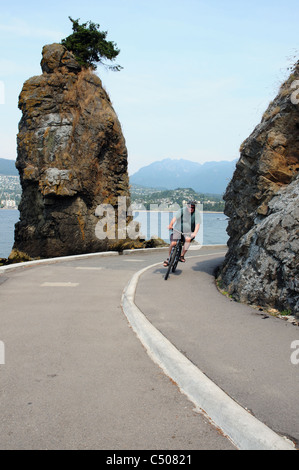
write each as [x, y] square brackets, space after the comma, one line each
[8, 219]
[213, 228]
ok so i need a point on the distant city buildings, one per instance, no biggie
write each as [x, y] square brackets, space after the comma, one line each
[8, 204]
[10, 192]
[148, 198]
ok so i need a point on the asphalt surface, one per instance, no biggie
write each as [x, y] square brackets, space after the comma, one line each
[77, 377]
[75, 374]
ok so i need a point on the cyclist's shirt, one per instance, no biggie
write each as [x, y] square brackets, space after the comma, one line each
[185, 221]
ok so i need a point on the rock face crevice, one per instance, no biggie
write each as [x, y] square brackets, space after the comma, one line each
[262, 202]
[72, 157]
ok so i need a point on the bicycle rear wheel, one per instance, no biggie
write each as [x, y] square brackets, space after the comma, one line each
[171, 261]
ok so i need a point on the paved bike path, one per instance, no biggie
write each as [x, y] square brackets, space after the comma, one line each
[75, 374]
[77, 377]
[241, 349]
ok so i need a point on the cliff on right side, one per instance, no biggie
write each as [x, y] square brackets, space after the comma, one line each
[262, 202]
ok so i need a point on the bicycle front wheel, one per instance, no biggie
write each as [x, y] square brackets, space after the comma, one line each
[171, 261]
[177, 256]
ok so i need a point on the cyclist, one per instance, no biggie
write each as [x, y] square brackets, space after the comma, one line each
[186, 220]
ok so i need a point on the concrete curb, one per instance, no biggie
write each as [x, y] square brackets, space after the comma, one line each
[145, 250]
[166, 248]
[243, 429]
[29, 264]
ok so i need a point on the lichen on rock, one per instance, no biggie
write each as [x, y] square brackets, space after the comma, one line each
[72, 156]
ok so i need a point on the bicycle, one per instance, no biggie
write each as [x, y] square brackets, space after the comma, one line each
[175, 255]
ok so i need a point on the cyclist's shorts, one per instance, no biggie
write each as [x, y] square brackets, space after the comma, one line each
[176, 236]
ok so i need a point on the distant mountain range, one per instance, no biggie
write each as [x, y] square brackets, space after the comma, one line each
[208, 178]
[7, 167]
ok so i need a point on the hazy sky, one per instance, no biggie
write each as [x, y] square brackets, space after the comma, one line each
[197, 77]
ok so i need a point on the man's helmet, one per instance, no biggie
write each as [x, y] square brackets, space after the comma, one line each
[191, 203]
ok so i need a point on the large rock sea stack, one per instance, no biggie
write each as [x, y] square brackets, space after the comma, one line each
[262, 202]
[72, 157]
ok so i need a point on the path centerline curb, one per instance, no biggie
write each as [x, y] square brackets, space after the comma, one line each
[244, 430]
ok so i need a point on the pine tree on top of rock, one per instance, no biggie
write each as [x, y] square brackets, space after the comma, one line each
[89, 45]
